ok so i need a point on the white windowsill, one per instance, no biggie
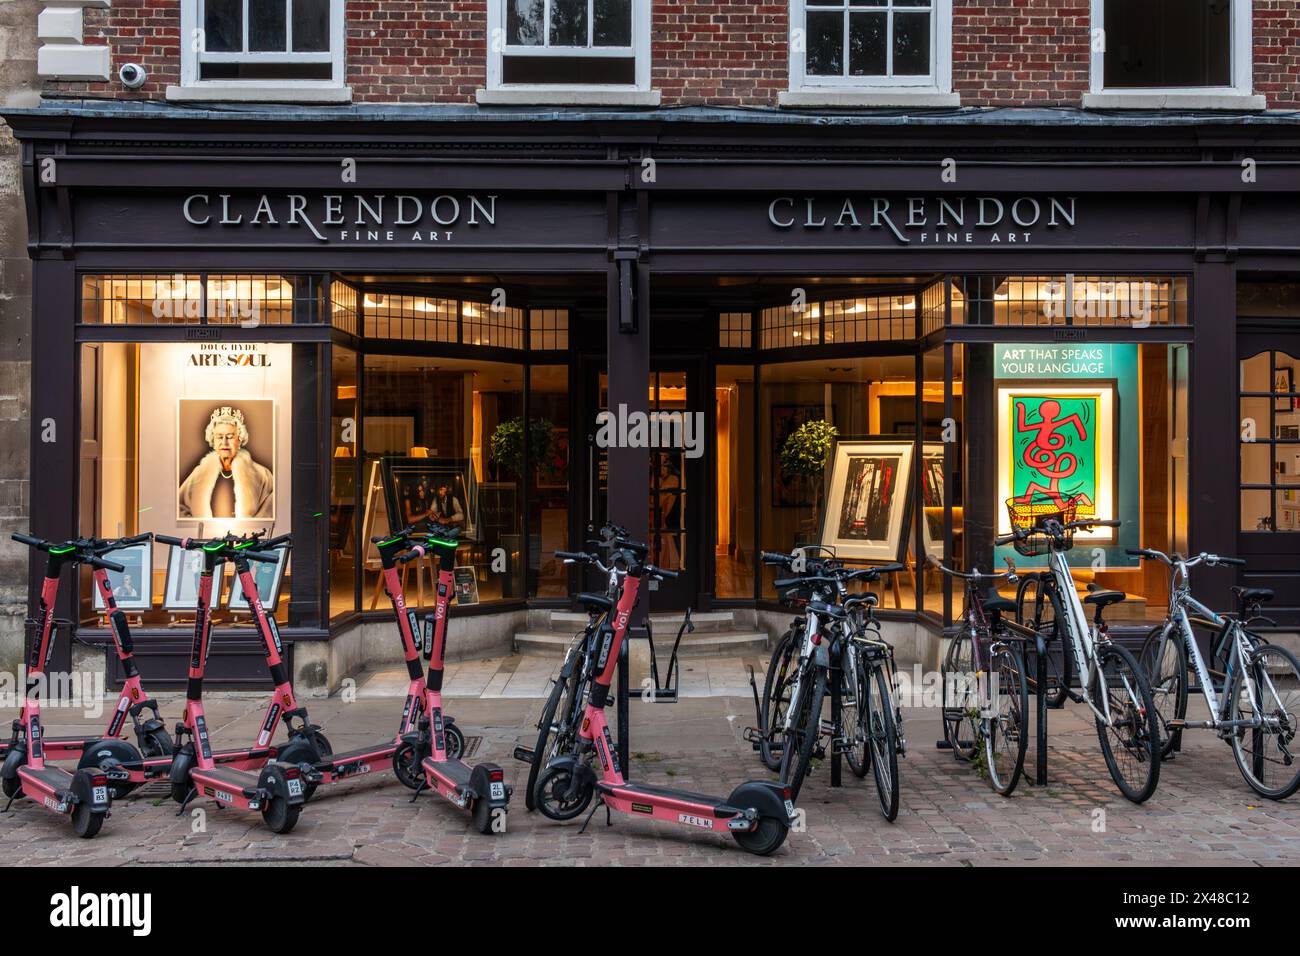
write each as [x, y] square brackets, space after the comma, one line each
[881, 96]
[1154, 100]
[544, 96]
[258, 93]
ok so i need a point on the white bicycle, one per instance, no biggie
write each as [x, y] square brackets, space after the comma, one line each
[1114, 687]
[1257, 706]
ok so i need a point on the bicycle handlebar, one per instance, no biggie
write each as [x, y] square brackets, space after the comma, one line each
[976, 575]
[1172, 559]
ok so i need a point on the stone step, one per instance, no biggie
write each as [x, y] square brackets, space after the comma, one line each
[707, 644]
[668, 621]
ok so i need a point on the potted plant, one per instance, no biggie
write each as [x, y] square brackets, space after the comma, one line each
[804, 456]
[507, 445]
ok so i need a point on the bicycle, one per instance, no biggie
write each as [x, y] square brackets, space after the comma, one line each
[1036, 595]
[996, 712]
[1114, 685]
[1259, 689]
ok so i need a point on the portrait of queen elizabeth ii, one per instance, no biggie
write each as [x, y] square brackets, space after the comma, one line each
[227, 482]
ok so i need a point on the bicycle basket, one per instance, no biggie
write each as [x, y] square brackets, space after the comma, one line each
[1032, 512]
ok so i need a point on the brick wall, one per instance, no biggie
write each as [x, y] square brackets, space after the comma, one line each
[1277, 52]
[724, 52]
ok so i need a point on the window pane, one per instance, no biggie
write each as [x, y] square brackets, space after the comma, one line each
[524, 26]
[343, 483]
[1168, 43]
[825, 55]
[734, 548]
[568, 22]
[911, 44]
[587, 70]
[311, 26]
[867, 44]
[266, 26]
[1256, 515]
[613, 23]
[548, 496]
[223, 26]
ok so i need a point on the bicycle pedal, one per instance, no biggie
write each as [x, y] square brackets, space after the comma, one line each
[1177, 723]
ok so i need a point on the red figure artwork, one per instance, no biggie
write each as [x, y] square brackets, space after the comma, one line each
[1044, 454]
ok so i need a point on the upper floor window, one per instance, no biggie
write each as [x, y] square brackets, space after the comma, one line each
[569, 44]
[871, 45]
[1151, 48]
[255, 44]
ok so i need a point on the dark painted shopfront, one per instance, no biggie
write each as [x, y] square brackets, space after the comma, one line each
[526, 326]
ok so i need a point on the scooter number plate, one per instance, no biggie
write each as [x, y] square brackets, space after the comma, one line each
[789, 808]
[295, 788]
[498, 791]
[99, 794]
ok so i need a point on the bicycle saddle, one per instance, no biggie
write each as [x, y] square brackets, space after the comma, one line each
[1105, 598]
[996, 602]
[821, 609]
[1252, 595]
[594, 602]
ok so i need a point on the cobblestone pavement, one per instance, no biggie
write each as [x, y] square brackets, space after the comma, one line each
[1203, 813]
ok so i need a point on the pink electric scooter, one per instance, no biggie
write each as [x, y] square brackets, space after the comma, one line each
[480, 789]
[757, 814]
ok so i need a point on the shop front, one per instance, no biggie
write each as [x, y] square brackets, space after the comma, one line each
[729, 337]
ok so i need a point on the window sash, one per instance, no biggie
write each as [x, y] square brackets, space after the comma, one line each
[638, 51]
[192, 22]
[1239, 47]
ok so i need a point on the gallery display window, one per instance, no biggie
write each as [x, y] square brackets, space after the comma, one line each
[190, 439]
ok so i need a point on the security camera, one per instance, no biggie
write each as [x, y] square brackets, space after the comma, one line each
[132, 75]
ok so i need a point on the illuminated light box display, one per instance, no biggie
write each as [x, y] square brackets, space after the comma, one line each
[1060, 433]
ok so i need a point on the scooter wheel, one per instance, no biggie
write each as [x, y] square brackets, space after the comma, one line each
[157, 744]
[454, 740]
[98, 753]
[180, 791]
[551, 800]
[279, 816]
[406, 767]
[85, 821]
[482, 816]
[764, 839]
[12, 787]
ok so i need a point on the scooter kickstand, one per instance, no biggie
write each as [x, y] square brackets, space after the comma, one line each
[194, 792]
[418, 790]
[597, 806]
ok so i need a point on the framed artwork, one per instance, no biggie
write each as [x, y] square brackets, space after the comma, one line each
[1283, 381]
[466, 585]
[133, 587]
[225, 459]
[422, 490]
[267, 577]
[932, 498]
[183, 571]
[866, 508]
[1059, 439]
[790, 492]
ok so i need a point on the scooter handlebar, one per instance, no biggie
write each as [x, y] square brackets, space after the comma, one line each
[106, 565]
[174, 542]
[31, 542]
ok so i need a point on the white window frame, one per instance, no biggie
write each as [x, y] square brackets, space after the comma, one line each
[636, 93]
[1236, 96]
[324, 91]
[932, 90]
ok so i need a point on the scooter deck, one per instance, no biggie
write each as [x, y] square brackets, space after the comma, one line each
[375, 752]
[633, 790]
[54, 778]
[229, 779]
[457, 772]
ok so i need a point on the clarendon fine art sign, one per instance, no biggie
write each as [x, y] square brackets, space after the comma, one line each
[928, 220]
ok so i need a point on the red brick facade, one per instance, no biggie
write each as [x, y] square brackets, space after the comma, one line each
[725, 52]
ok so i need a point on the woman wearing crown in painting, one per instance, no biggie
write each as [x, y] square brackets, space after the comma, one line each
[227, 482]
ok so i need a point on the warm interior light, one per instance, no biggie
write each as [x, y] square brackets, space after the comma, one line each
[342, 451]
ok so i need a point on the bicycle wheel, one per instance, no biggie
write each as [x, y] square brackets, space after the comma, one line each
[854, 722]
[801, 739]
[555, 731]
[960, 697]
[776, 695]
[1265, 754]
[1131, 741]
[1039, 608]
[881, 737]
[1006, 729]
[1168, 679]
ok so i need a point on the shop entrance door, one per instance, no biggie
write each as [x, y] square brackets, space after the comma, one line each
[1269, 526]
[676, 446]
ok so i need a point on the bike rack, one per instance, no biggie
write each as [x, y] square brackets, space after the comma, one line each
[666, 693]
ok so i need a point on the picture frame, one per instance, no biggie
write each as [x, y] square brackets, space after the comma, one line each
[466, 585]
[1283, 381]
[931, 510]
[268, 577]
[1093, 440]
[866, 514]
[411, 493]
[785, 420]
[374, 522]
[184, 568]
[133, 587]
[252, 472]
